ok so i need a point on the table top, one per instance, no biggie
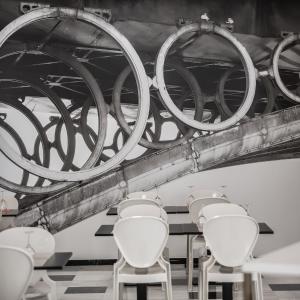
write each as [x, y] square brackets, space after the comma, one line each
[169, 210]
[55, 262]
[284, 261]
[179, 229]
[10, 213]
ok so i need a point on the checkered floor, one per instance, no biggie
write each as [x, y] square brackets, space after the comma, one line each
[95, 282]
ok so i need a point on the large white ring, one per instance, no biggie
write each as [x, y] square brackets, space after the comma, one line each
[248, 66]
[275, 60]
[142, 85]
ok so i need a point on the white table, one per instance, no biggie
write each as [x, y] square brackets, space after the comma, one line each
[284, 261]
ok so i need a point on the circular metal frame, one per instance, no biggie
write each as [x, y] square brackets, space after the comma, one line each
[246, 61]
[140, 75]
[275, 68]
[90, 83]
[4, 183]
[41, 134]
[196, 91]
[266, 82]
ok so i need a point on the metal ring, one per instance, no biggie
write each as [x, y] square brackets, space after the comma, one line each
[246, 61]
[42, 136]
[275, 61]
[91, 84]
[4, 183]
[266, 82]
[140, 75]
[193, 85]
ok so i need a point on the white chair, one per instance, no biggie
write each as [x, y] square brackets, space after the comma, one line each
[141, 241]
[196, 202]
[43, 244]
[41, 240]
[202, 194]
[151, 195]
[220, 209]
[141, 207]
[231, 239]
[16, 267]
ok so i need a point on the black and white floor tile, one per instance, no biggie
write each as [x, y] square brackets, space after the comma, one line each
[95, 282]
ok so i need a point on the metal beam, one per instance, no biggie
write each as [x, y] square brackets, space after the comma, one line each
[200, 154]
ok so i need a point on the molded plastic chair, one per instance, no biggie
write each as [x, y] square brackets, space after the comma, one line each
[43, 243]
[150, 195]
[196, 202]
[202, 194]
[141, 207]
[41, 240]
[220, 209]
[231, 239]
[141, 241]
[16, 267]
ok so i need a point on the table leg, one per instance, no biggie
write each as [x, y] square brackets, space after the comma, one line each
[190, 263]
[248, 287]
[227, 290]
[141, 291]
[187, 253]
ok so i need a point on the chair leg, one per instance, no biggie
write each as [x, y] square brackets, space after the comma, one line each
[190, 264]
[260, 287]
[204, 267]
[51, 283]
[165, 290]
[255, 287]
[169, 283]
[202, 282]
[116, 286]
[121, 291]
[49, 297]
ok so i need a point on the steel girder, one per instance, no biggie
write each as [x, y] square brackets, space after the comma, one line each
[261, 133]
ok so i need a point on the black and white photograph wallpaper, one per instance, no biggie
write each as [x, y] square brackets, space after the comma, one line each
[149, 149]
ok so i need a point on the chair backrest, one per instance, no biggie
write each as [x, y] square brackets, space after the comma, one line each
[151, 195]
[220, 209]
[202, 194]
[16, 267]
[231, 239]
[196, 206]
[143, 208]
[132, 205]
[141, 240]
[41, 240]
